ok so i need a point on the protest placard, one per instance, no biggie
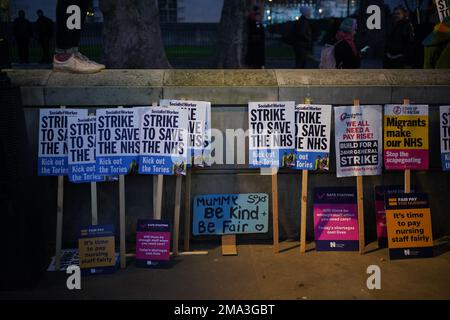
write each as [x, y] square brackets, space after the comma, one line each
[442, 9]
[117, 141]
[81, 150]
[409, 229]
[197, 117]
[97, 249]
[52, 147]
[222, 214]
[164, 141]
[380, 213]
[445, 137]
[406, 137]
[336, 219]
[312, 137]
[271, 134]
[152, 243]
[358, 140]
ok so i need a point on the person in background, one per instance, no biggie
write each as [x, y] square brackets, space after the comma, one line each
[256, 40]
[67, 58]
[44, 30]
[400, 41]
[346, 54]
[23, 32]
[437, 47]
[302, 37]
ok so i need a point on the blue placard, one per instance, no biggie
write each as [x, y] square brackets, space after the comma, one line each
[52, 148]
[231, 213]
[117, 141]
[164, 141]
[445, 137]
[81, 150]
[271, 134]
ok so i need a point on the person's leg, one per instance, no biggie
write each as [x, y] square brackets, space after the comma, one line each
[20, 50]
[67, 41]
[67, 57]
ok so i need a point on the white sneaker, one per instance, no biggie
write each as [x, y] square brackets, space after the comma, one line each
[83, 57]
[77, 63]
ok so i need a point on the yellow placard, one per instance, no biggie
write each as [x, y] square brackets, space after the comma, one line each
[405, 132]
[96, 252]
[409, 228]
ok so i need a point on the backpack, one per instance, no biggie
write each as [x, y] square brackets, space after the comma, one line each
[327, 59]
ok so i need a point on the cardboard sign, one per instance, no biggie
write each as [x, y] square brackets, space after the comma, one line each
[207, 148]
[358, 140]
[52, 153]
[164, 141]
[312, 137]
[152, 243]
[271, 134]
[117, 141]
[409, 230]
[197, 117]
[97, 249]
[336, 219]
[81, 153]
[380, 213]
[445, 137]
[231, 213]
[406, 137]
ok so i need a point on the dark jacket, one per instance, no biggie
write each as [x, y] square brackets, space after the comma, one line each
[401, 39]
[22, 29]
[44, 28]
[302, 34]
[344, 56]
[256, 44]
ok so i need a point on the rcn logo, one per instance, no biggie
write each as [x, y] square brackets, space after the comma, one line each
[332, 244]
[346, 116]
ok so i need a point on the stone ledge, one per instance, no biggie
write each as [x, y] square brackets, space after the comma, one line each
[142, 87]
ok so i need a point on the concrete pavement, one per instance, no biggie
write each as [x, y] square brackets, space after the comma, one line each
[257, 273]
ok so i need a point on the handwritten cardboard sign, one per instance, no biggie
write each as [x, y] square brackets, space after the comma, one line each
[231, 213]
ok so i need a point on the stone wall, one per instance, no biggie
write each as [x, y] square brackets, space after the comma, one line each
[229, 91]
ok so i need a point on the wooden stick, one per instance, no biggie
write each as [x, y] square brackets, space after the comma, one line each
[304, 204]
[304, 208]
[59, 220]
[176, 220]
[187, 211]
[360, 201]
[155, 184]
[360, 196]
[123, 261]
[159, 191]
[229, 247]
[407, 171]
[276, 246]
[123, 251]
[94, 203]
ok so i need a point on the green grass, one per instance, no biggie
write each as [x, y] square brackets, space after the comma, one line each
[173, 52]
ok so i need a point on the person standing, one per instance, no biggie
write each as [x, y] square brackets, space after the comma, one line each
[44, 30]
[23, 32]
[400, 41]
[256, 40]
[346, 54]
[302, 38]
[67, 57]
